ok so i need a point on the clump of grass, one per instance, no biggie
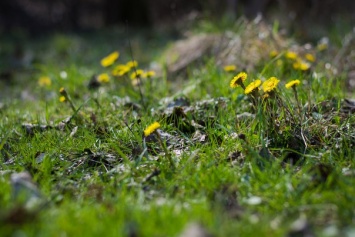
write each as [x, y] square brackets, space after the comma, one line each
[246, 163]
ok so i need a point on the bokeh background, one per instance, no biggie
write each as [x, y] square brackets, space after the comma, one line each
[47, 37]
[40, 16]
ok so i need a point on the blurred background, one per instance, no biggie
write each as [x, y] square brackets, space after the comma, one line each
[42, 16]
[50, 37]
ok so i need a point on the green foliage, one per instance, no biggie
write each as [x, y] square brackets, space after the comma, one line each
[239, 164]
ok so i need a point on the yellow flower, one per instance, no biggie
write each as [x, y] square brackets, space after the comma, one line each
[322, 46]
[279, 62]
[273, 54]
[132, 64]
[62, 98]
[252, 86]
[103, 78]
[110, 59]
[61, 90]
[151, 128]
[310, 57]
[301, 65]
[230, 68]
[150, 74]
[120, 70]
[291, 55]
[238, 80]
[137, 74]
[292, 83]
[270, 84]
[44, 81]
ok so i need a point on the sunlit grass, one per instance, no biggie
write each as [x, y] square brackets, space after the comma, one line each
[119, 149]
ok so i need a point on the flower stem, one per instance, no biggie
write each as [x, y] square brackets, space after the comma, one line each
[167, 153]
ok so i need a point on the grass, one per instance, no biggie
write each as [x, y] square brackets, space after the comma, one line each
[244, 165]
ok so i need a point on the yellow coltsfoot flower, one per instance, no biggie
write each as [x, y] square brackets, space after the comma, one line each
[139, 73]
[149, 74]
[110, 59]
[132, 64]
[103, 78]
[301, 65]
[62, 99]
[292, 83]
[229, 68]
[44, 81]
[291, 55]
[253, 86]
[238, 80]
[120, 70]
[310, 57]
[273, 54]
[270, 84]
[151, 128]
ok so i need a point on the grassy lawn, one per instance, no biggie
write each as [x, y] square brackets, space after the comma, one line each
[79, 158]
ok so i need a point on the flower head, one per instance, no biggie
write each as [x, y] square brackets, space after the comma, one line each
[279, 62]
[132, 64]
[63, 95]
[292, 84]
[270, 84]
[149, 74]
[310, 57]
[230, 68]
[137, 74]
[151, 128]
[44, 81]
[62, 98]
[238, 80]
[301, 65]
[120, 70]
[322, 46]
[291, 55]
[110, 59]
[252, 86]
[273, 54]
[103, 78]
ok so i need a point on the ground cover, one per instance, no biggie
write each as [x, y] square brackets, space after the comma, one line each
[98, 137]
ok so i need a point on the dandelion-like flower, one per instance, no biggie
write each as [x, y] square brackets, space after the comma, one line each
[103, 78]
[238, 80]
[230, 68]
[44, 81]
[270, 84]
[151, 128]
[62, 98]
[65, 98]
[62, 90]
[310, 57]
[110, 59]
[132, 64]
[301, 65]
[137, 74]
[273, 54]
[252, 86]
[292, 84]
[120, 70]
[279, 63]
[149, 74]
[291, 55]
[322, 46]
